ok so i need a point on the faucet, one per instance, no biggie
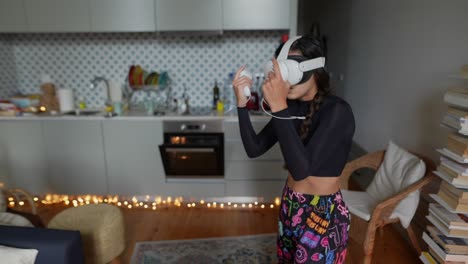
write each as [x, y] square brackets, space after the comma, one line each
[94, 83]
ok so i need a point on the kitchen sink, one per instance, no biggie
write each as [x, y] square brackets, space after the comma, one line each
[83, 112]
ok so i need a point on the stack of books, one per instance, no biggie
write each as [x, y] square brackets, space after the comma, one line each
[447, 234]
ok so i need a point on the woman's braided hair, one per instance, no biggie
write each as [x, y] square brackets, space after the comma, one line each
[311, 47]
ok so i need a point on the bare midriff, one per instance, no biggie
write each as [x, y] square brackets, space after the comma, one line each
[315, 185]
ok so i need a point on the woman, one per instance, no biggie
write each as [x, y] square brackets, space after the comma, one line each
[313, 219]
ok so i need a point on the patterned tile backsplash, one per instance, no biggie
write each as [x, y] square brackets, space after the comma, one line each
[72, 60]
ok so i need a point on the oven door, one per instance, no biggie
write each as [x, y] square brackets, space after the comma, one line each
[191, 160]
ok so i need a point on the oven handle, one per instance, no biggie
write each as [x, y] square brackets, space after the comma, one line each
[199, 150]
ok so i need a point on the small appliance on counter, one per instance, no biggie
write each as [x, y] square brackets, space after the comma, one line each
[48, 102]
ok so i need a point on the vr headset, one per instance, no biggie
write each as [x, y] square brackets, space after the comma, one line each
[293, 68]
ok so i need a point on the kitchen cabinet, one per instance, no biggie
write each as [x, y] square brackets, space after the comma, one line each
[122, 15]
[256, 14]
[12, 16]
[263, 176]
[58, 15]
[189, 15]
[133, 160]
[75, 156]
[22, 156]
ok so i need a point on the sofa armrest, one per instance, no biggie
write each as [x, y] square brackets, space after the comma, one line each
[54, 246]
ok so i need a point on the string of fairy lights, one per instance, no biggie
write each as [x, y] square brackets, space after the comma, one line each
[147, 202]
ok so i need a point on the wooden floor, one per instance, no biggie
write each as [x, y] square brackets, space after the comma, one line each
[186, 223]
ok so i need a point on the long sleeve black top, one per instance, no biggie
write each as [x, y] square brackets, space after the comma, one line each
[327, 146]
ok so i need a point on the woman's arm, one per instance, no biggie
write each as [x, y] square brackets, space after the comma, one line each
[255, 145]
[327, 150]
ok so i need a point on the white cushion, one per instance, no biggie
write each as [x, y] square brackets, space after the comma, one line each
[398, 170]
[3, 201]
[360, 204]
[14, 220]
[12, 255]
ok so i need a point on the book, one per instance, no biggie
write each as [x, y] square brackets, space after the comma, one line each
[460, 168]
[458, 145]
[439, 252]
[450, 154]
[452, 173]
[456, 98]
[443, 191]
[457, 112]
[451, 245]
[440, 261]
[426, 258]
[453, 203]
[451, 220]
[444, 204]
[460, 125]
[459, 183]
[449, 232]
[459, 192]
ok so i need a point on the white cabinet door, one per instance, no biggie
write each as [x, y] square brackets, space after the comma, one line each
[12, 16]
[122, 15]
[185, 15]
[75, 154]
[22, 156]
[134, 164]
[256, 14]
[58, 15]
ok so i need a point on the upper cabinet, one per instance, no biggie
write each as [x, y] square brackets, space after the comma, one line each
[122, 15]
[12, 16]
[189, 15]
[58, 15]
[146, 15]
[256, 14]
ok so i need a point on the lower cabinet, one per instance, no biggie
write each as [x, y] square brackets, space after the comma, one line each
[23, 162]
[261, 177]
[133, 161]
[75, 156]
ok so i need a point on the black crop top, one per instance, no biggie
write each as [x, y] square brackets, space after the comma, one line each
[327, 145]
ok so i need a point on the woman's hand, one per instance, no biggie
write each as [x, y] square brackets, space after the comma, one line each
[238, 85]
[275, 89]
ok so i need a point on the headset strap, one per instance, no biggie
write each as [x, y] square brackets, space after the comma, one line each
[285, 50]
[312, 64]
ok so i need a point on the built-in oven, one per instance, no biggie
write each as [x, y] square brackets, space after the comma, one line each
[193, 149]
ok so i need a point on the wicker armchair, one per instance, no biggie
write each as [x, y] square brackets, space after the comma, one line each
[364, 231]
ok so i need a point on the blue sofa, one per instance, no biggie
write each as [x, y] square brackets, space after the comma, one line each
[54, 246]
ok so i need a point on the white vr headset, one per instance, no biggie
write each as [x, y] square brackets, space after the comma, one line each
[291, 70]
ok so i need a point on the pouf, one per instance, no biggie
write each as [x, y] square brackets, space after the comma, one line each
[14, 220]
[101, 227]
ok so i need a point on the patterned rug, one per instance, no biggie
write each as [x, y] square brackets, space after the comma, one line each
[243, 249]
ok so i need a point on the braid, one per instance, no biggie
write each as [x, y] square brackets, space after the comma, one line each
[314, 107]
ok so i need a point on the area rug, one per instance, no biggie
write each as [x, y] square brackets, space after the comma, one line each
[226, 250]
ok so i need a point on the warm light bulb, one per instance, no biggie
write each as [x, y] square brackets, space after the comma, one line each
[250, 205]
[146, 206]
[243, 205]
[130, 206]
[277, 201]
[209, 205]
[235, 205]
[21, 203]
[263, 206]
[119, 204]
[256, 203]
[36, 199]
[272, 206]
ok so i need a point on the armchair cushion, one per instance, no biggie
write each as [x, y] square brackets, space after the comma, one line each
[3, 199]
[13, 220]
[360, 204]
[14, 255]
[398, 170]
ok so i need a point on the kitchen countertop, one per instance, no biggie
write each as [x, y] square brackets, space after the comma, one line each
[139, 115]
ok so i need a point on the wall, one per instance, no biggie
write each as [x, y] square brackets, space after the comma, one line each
[397, 64]
[7, 67]
[194, 61]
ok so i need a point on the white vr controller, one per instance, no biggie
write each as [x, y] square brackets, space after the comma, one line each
[247, 74]
[291, 70]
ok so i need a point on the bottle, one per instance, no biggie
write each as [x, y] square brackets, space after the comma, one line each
[82, 104]
[215, 94]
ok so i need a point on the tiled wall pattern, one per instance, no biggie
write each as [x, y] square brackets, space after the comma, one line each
[7, 67]
[72, 60]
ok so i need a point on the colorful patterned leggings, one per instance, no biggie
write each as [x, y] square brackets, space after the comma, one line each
[312, 228]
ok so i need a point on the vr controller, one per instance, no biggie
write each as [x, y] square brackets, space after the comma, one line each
[247, 74]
